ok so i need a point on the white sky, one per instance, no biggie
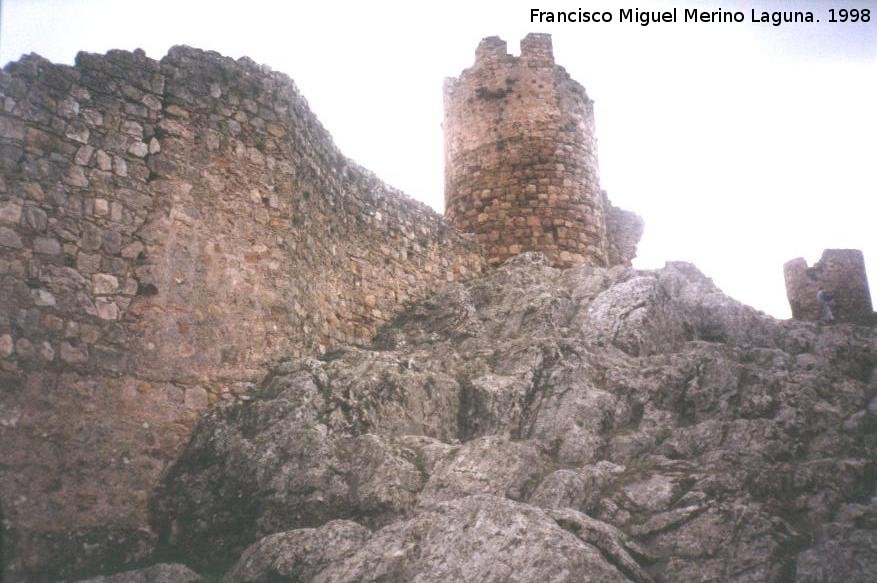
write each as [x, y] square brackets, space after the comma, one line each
[741, 145]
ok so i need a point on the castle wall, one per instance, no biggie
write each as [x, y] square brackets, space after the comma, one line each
[521, 157]
[840, 272]
[623, 232]
[167, 230]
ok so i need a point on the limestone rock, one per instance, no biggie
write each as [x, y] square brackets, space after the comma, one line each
[844, 550]
[487, 465]
[298, 555]
[649, 416]
[476, 538]
[160, 573]
[297, 455]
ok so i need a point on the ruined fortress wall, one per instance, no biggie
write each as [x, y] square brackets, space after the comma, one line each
[521, 156]
[167, 229]
[840, 272]
[623, 232]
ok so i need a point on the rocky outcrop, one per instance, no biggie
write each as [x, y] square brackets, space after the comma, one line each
[582, 424]
[298, 555]
[160, 573]
[476, 538]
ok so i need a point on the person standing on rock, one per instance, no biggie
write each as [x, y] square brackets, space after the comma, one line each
[825, 299]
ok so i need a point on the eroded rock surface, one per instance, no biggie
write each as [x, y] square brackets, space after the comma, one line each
[160, 573]
[476, 538]
[298, 555]
[539, 424]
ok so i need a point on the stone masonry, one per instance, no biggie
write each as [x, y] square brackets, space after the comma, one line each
[840, 272]
[623, 232]
[521, 159]
[168, 229]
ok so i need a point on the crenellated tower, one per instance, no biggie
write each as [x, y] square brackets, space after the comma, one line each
[521, 156]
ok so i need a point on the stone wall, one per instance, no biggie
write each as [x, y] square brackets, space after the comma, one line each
[623, 232]
[840, 272]
[521, 156]
[167, 230]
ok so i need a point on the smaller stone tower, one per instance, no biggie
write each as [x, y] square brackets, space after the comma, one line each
[521, 157]
[840, 272]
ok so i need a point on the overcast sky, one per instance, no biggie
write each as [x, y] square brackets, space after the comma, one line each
[741, 145]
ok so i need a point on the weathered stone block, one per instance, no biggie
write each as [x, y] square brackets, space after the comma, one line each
[36, 218]
[83, 155]
[46, 246]
[104, 161]
[10, 212]
[138, 149]
[9, 238]
[104, 283]
[42, 297]
[106, 309]
[76, 177]
[7, 346]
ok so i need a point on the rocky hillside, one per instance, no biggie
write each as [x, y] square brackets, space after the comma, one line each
[544, 425]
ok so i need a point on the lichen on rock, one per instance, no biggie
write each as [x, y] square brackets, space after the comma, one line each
[675, 432]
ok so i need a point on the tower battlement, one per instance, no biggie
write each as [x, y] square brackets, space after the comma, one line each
[521, 166]
[534, 47]
[537, 47]
[491, 47]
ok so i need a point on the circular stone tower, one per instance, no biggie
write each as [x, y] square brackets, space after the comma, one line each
[521, 156]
